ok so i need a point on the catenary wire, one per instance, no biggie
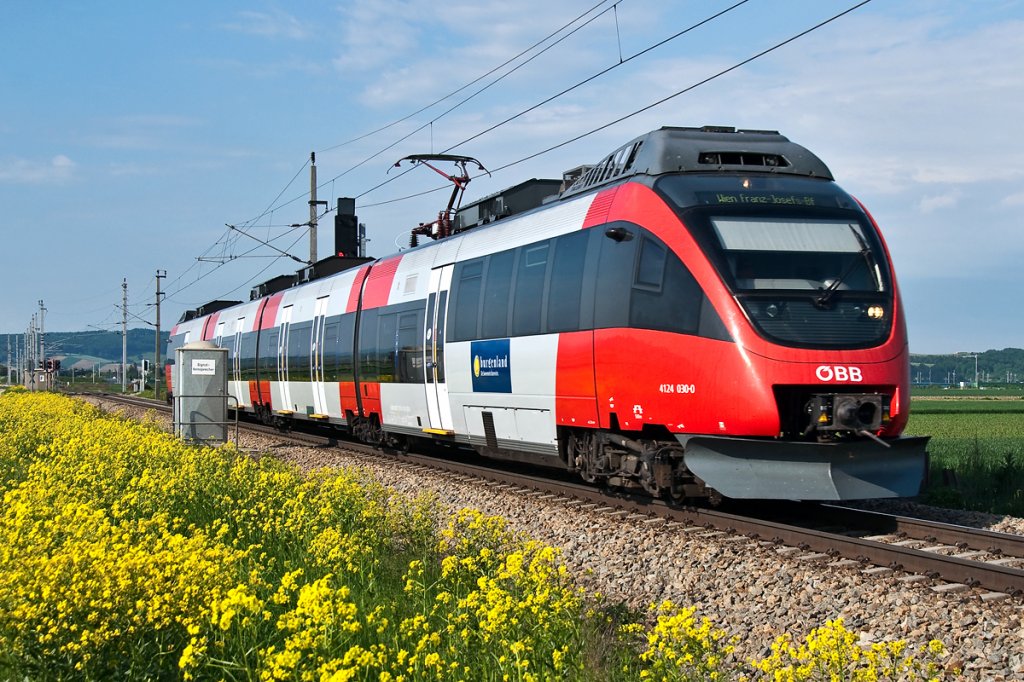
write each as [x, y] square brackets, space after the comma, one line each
[590, 78]
[638, 111]
[472, 82]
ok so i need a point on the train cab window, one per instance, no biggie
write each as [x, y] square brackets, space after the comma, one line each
[529, 289]
[665, 295]
[650, 270]
[497, 286]
[566, 287]
[468, 277]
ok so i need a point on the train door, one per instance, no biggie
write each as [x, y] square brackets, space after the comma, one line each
[439, 409]
[284, 390]
[316, 356]
[241, 392]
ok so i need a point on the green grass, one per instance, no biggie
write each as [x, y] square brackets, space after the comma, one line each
[1001, 391]
[977, 453]
[967, 406]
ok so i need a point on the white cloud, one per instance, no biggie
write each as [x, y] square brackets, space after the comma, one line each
[935, 202]
[270, 25]
[1016, 199]
[25, 171]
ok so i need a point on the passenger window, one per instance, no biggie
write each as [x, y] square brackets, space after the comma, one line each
[529, 295]
[410, 348]
[566, 286]
[346, 332]
[387, 332]
[267, 364]
[368, 370]
[469, 279]
[299, 337]
[497, 285]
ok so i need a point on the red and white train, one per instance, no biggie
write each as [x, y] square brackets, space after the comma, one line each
[702, 313]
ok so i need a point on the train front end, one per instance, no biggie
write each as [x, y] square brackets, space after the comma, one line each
[812, 300]
[803, 393]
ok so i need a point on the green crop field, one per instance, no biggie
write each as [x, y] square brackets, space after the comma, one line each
[977, 451]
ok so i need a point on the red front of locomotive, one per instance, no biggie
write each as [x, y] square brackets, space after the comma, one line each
[793, 378]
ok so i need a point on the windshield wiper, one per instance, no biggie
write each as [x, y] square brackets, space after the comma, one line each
[822, 300]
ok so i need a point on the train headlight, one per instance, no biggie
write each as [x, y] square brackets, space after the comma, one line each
[876, 312]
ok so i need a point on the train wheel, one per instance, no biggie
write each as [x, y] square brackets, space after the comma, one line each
[583, 454]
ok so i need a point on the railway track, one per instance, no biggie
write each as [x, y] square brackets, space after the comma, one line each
[952, 558]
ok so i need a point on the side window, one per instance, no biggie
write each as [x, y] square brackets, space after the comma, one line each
[298, 351]
[267, 363]
[468, 281]
[529, 294]
[497, 286]
[410, 347]
[387, 331]
[247, 356]
[368, 345]
[665, 295]
[566, 286]
[650, 269]
[614, 275]
[346, 332]
[331, 348]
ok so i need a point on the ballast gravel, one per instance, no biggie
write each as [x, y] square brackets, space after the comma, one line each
[754, 590]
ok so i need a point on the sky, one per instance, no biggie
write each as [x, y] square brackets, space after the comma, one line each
[133, 134]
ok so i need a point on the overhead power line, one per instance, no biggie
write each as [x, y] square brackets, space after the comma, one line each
[568, 141]
[633, 113]
[472, 82]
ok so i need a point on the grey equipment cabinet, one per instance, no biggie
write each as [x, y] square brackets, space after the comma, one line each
[201, 393]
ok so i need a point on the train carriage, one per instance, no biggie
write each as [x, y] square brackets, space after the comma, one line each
[702, 313]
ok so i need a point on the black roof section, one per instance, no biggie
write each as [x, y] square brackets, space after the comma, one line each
[510, 201]
[324, 267]
[206, 309]
[709, 149]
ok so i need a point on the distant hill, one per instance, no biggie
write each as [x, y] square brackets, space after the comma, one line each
[994, 367]
[92, 347]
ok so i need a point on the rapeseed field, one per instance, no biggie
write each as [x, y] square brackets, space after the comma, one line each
[126, 554]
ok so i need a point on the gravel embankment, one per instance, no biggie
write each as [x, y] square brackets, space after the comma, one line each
[749, 589]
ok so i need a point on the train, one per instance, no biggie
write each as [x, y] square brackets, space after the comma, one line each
[702, 314]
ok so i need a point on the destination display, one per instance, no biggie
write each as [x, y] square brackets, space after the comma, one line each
[762, 198]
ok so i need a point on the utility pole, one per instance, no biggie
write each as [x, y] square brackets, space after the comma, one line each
[160, 274]
[42, 346]
[313, 203]
[312, 207]
[30, 350]
[124, 335]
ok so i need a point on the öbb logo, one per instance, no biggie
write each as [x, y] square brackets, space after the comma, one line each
[838, 373]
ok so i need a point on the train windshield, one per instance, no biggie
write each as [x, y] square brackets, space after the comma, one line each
[787, 253]
[799, 255]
